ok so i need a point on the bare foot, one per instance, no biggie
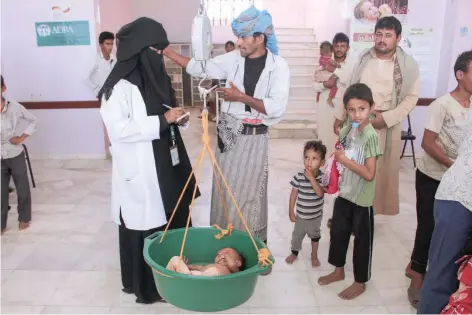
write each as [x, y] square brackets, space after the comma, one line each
[408, 270]
[335, 276]
[315, 263]
[353, 291]
[416, 280]
[314, 254]
[290, 259]
[23, 226]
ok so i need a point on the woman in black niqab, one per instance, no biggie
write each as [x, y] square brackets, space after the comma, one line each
[145, 68]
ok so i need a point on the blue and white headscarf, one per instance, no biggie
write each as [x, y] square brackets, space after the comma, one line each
[254, 21]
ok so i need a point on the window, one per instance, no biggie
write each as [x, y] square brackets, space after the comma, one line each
[222, 12]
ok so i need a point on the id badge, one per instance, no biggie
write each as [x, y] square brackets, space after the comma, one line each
[174, 154]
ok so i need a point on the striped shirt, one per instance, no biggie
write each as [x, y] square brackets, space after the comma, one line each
[309, 205]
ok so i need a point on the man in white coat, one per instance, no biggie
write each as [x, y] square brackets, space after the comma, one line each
[256, 95]
[146, 180]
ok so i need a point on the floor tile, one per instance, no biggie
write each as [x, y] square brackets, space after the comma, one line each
[75, 310]
[31, 287]
[283, 289]
[68, 261]
[10, 309]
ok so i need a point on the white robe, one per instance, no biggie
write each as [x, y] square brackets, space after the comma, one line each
[135, 186]
[325, 113]
[272, 88]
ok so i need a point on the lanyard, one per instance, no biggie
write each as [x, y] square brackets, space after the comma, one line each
[172, 135]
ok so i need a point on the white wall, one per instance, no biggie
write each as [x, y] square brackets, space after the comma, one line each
[68, 134]
[460, 41]
[39, 73]
[287, 14]
[175, 15]
[52, 74]
[456, 16]
[222, 34]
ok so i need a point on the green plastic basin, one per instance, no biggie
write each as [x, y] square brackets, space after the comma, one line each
[203, 294]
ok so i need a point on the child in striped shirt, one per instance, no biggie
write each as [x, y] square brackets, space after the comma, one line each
[307, 198]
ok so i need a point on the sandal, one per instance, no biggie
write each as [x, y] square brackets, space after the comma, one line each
[414, 296]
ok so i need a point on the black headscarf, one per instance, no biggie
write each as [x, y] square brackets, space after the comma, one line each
[139, 64]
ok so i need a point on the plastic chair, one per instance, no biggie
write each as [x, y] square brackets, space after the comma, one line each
[408, 136]
[28, 162]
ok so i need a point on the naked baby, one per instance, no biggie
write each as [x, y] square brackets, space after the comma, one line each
[227, 261]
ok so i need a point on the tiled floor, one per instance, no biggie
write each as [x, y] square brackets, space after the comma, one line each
[67, 262]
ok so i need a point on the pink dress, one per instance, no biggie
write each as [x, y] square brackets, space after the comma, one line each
[322, 75]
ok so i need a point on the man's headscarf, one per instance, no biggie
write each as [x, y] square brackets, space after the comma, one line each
[140, 65]
[254, 21]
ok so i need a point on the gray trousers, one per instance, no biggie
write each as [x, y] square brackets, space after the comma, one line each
[305, 227]
[16, 168]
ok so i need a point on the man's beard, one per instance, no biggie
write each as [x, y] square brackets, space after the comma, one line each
[342, 57]
[383, 51]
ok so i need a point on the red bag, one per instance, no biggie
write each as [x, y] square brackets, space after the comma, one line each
[333, 172]
[333, 185]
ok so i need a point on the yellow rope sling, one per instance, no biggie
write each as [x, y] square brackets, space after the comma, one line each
[263, 253]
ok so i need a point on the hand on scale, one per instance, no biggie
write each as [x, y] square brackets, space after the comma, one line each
[201, 50]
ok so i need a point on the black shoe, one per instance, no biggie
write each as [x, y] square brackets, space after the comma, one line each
[152, 301]
[127, 290]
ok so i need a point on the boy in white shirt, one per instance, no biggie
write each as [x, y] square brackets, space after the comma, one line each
[103, 63]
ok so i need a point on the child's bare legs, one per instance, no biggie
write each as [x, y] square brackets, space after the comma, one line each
[298, 234]
[408, 270]
[347, 217]
[353, 291]
[291, 258]
[23, 226]
[335, 276]
[314, 254]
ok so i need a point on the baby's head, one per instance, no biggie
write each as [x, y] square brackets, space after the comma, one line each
[314, 155]
[230, 258]
[326, 49]
[385, 10]
[366, 10]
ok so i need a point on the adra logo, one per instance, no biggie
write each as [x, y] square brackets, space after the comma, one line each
[45, 30]
[65, 33]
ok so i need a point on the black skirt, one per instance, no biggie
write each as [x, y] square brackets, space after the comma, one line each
[136, 275]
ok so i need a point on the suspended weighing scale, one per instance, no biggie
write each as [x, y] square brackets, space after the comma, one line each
[201, 35]
[201, 50]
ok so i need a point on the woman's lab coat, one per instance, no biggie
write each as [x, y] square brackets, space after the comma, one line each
[135, 185]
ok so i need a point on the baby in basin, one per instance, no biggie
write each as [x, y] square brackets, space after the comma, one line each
[227, 261]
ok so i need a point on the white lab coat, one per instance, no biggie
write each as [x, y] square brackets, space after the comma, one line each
[272, 88]
[135, 186]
